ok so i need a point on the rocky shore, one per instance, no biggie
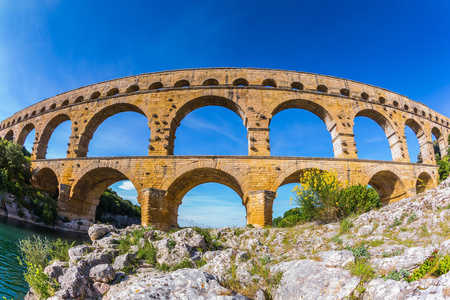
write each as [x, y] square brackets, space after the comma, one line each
[310, 261]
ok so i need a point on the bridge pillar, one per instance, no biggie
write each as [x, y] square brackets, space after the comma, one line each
[426, 149]
[63, 201]
[343, 140]
[162, 139]
[156, 210]
[398, 146]
[259, 207]
[258, 141]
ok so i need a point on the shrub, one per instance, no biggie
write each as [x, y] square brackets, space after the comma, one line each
[360, 253]
[59, 250]
[148, 253]
[39, 281]
[425, 268]
[35, 251]
[362, 269]
[345, 226]
[290, 218]
[112, 203]
[397, 275]
[357, 199]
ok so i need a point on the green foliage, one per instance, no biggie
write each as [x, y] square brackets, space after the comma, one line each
[35, 251]
[211, 244]
[59, 250]
[412, 218]
[39, 281]
[290, 218]
[362, 269]
[148, 254]
[397, 275]
[444, 168]
[443, 266]
[337, 239]
[322, 197]
[183, 265]
[238, 231]
[425, 268]
[111, 203]
[360, 253]
[171, 244]
[357, 199]
[345, 226]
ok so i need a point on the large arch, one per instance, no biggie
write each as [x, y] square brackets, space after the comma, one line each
[86, 192]
[24, 133]
[424, 182]
[99, 118]
[46, 180]
[197, 103]
[388, 128]
[425, 151]
[437, 133]
[46, 134]
[314, 108]
[388, 186]
[9, 136]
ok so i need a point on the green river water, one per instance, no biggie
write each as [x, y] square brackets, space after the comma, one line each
[12, 283]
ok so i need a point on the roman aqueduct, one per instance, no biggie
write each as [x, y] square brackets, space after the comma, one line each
[256, 96]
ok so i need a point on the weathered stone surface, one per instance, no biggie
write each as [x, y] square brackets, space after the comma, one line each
[308, 279]
[123, 261]
[410, 259]
[190, 238]
[379, 289]
[77, 252]
[97, 231]
[102, 273]
[75, 285]
[181, 284]
[336, 258]
[56, 269]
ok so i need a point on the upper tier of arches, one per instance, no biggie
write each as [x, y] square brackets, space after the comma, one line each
[256, 95]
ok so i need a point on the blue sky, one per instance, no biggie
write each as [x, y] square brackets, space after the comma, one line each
[49, 47]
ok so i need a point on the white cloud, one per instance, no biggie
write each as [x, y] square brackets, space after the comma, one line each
[127, 186]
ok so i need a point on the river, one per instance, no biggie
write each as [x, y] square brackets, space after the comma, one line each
[12, 283]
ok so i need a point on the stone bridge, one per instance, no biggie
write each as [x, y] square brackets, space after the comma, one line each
[255, 95]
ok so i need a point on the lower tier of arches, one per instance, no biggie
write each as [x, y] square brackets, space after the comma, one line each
[162, 181]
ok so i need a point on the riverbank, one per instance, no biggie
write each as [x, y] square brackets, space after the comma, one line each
[399, 251]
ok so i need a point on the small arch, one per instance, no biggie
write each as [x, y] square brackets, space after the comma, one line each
[210, 82]
[423, 114]
[46, 180]
[24, 133]
[345, 92]
[269, 82]
[112, 92]
[406, 107]
[395, 103]
[65, 103]
[156, 86]
[365, 96]
[382, 100]
[240, 82]
[42, 110]
[53, 106]
[25, 117]
[13, 122]
[79, 99]
[133, 88]
[424, 182]
[95, 96]
[322, 88]
[9, 136]
[9, 123]
[436, 119]
[388, 186]
[19, 119]
[182, 84]
[297, 86]
[430, 116]
[33, 113]
[416, 110]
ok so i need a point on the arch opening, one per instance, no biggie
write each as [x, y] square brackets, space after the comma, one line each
[345, 92]
[297, 86]
[424, 182]
[156, 86]
[133, 88]
[438, 142]
[122, 134]
[211, 82]
[86, 193]
[9, 136]
[322, 88]
[79, 99]
[46, 180]
[269, 82]
[65, 103]
[112, 92]
[211, 130]
[100, 117]
[414, 138]
[240, 82]
[24, 134]
[300, 132]
[373, 143]
[182, 84]
[388, 186]
[63, 134]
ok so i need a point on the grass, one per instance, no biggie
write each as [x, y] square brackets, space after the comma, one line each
[362, 269]
[345, 226]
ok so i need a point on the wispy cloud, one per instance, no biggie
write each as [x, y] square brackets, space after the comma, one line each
[127, 186]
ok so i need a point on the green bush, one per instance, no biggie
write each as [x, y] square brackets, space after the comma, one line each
[40, 283]
[35, 251]
[345, 226]
[148, 253]
[290, 218]
[425, 268]
[357, 199]
[397, 275]
[111, 203]
[59, 250]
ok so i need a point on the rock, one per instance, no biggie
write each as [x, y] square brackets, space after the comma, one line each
[191, 238]
[410, 259]
[336, 258]
[101, 288]
[75, 285]
[56, 269]
[123, 261]
[260, 295]
[181, 284]
[102, 273]
[77, 252]
[97, 231]
[307, 279]
[379, 289]
[110, 241]
[219, 263]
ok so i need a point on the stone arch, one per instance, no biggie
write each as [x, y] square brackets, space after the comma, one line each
[312, 107]
[47, 133]
[133, 88]
[9, 136]
[440, 138]
[292, 174]
[98, 119]
[86, 192]
[112, 92]
[24, 133]
[388, 186]
[156, 86]
[240, 82]
[182, 84]
[389, 130]
[197, 103]
[425, 150]
[269, 82]
[297, 86]
[211, 82]
[424, 182]
[46, 180]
